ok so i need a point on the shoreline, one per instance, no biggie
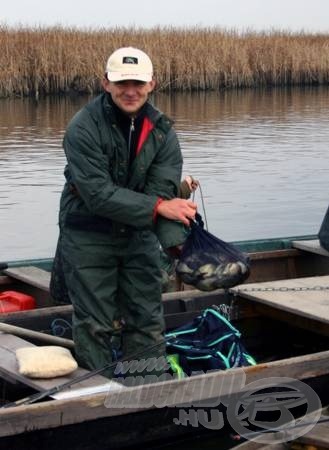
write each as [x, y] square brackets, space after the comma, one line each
[41, 61]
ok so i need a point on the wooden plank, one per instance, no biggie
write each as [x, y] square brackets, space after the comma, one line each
[4, 280]
[31, 275]
[9, 368]
[312, 246]
[306, 297]
[49, 339]
[274, 254]
[213, 386]
[290, 318]
[34, 315]
[252, 445]
[41, 279]
[318, 436]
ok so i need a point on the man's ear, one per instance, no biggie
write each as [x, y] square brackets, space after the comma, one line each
[152, 85]
[105, 84]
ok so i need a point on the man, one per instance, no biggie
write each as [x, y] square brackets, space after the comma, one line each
[120, 199]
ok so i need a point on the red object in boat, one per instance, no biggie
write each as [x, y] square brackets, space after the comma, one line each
[11, 301]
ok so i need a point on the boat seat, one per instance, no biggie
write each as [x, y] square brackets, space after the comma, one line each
[40, 278]
[9, 371]
[312, 246]
[302, 302]
[31, 275]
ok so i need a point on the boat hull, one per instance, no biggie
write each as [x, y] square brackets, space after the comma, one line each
[146, 415]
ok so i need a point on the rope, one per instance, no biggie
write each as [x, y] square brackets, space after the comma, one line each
[203, 205]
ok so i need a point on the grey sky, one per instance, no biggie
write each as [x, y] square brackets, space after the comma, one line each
[294, 15]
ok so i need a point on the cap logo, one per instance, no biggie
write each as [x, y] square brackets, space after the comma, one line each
[129, 60]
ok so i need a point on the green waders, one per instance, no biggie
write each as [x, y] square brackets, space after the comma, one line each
[112, 276]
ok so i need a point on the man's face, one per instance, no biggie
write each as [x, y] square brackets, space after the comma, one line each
[129, 95]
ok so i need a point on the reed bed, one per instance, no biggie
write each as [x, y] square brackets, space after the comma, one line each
[42, 61]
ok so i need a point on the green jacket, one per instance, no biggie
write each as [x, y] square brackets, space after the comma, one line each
[102, 192]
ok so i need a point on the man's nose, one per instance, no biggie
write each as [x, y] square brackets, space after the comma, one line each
[130, 88]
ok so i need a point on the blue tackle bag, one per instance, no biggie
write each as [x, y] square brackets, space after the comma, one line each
[209, 342]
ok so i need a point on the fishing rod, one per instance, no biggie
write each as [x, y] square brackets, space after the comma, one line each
[54, 390]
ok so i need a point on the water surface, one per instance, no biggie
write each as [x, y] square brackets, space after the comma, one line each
[261, 158]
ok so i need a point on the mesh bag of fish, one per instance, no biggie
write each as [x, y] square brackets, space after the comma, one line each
[209, 263]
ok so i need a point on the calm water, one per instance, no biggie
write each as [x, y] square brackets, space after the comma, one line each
[261, 157]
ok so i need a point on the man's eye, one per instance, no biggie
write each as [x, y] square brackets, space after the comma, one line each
[136, 83]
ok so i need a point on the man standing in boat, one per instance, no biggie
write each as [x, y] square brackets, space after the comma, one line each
[119, 201]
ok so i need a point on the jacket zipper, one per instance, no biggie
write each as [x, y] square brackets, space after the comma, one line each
[131, 130]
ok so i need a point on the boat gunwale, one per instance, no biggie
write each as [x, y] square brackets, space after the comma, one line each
[249, 245]
[91, 407]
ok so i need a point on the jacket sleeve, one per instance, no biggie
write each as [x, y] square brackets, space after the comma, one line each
[163, 180]
[88, 168]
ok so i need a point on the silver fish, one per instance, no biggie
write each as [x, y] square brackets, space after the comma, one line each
[205, 271]
[243, 267]
[219, 270]
[231, 269]
[208, 284]
[183, 268]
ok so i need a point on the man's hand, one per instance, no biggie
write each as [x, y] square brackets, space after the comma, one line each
[192, 183]
[178, 209]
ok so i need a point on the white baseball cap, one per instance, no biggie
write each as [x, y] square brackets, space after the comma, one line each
[129, 63]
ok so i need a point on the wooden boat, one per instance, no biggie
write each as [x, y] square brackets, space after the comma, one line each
[279, 311]
[313, 435]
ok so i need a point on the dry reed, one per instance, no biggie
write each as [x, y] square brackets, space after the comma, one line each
[54, 60]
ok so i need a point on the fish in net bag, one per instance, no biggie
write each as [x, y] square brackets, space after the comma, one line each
[208, 263]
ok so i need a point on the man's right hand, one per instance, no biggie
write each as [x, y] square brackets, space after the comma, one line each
[178, 209]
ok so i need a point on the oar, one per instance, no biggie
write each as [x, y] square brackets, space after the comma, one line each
[26, 333]
[40, 395]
